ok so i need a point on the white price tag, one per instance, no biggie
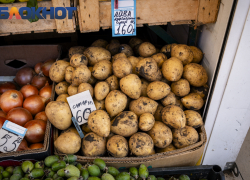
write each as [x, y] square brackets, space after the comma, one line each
[123, 17]
[11, 135]
[81, 106]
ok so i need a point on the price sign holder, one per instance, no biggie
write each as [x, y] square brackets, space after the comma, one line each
[11, 135]
[123, 17]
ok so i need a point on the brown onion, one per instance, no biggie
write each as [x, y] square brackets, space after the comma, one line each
[38, 68]
[19, 116]
[42, 116]
[46, 66]
[24, 76]
[34, 104]
[46, 92]
[39, 81]
[23, 146]
[36, 146]
[2, 120]
[29, 90]
[2, 114]
[11, 99]
[6, 86]
[35, 131]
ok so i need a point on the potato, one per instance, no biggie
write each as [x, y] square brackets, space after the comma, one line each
[141, 144]
[99, 123]
[170, 147]
[114, 47]
[125, 124]
[172, 69]
[72, 90]
[62, 88]
[161, 135]
[178, 103]
[69, 74]
[143, 105]
[148, 69]
[92, 80]
[173, 116]
[122, 67]
[184, 137]
[146, 121]
[133, 60]
[68, 143]
[193, 118]
[110, 135]
[131, 86]
[182, 52]
[157, 114]
[170, 99]
[134, 41]
[180, 87]
[84, 87]
[193, 101]
[146, 49]
[95, 54]
[115, 102]
[159, 58]
[144, 85]
[57, 70]
[166, 50]
[80, 75]
[166, 81]
[59, 114]
[136, 50]
[93, 145]
[71, 129]
[158, 90]
[198, 55]
[117, 146]
[124, 48]
[78, 59]
[62, 97]
[117, 56]
[128, 102]
[76, 50]
[100, 105]
[86, 128]
[99, 43]
[102, 70]
[113, 82]
[202, 91]
[195, 74]
[101, 90]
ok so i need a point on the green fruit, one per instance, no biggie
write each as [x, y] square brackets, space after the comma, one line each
[15, 177]
[49, 179]
[36, 173]
[151, 177]
[24, 178]
[107, 176]
[5, 178]
[173, 178]
[70, 158]
[1, 169]
[73, 178]
[10, 169]
[113, 171]
[123, 176]
[132, 178]
[79, 166]
[6, 174]
[184, 177]
[1, 176]
[59, 178]
[61, 172]
[18, 170]
[48, 161]
[160, 178]
[55, 176]
[100, 163]
[133, 172]
[71, 171]
[143, 171]
[27, 166]
[94, 170]
[84, 173]
[26, 175]
[58, 165]
[94, 178]
[49, 173]
[39, 165]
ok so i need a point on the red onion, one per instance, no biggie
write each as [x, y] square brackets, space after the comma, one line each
[34, 104]
[46, 92]
[46, 66]
[35, 131]
[19, 116]
[38, 68]
[39, 81]
[6, 86]
[24, 76]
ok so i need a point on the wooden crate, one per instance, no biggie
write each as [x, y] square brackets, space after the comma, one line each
[23, 26]
[93, 14]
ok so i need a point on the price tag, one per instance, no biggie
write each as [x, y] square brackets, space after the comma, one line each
[11, 135]
[123, 17]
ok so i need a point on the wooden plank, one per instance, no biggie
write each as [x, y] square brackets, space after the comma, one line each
[181, 22]
[89, 11]
[63, 25]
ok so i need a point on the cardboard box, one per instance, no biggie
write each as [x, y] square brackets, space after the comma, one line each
[13, 58]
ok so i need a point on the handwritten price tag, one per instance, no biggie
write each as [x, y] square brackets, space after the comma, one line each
[123, 17]
[11, 135]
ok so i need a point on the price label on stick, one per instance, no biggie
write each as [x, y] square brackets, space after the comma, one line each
[123, 17]
[11, 135]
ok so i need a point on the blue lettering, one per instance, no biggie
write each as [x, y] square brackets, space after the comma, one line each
[49, 12]
[64, 12]
[28, 15]
[4, 15]
[36, 12]
[70, 11]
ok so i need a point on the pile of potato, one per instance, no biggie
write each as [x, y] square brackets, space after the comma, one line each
[147, 100]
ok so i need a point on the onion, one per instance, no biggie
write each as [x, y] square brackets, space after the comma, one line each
[29, 90]
[23, 146]
[38, 68]
[46, 93]
[35, 131]
[39, 81]
[24, 76]
[19, 116]
[46, 66]
[2, 120]
[2, 114]
[11, 99]
[42, 116]
[34, 104]
[36, 146]
[6, 86]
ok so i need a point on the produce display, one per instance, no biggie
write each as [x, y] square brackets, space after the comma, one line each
[60, 168]
[147, 100]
